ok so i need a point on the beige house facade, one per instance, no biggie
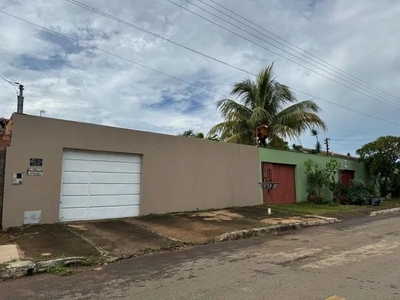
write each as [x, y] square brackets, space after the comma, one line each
[59, 171]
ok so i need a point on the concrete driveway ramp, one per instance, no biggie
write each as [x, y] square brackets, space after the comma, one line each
[179, 228]
[8, 253]
[121, 239]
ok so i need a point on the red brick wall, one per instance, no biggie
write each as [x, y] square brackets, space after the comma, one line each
[4, 141]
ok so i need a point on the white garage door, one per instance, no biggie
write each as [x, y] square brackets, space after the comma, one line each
[98, 185]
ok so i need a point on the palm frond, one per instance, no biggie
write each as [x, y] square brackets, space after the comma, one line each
[264, 102]
[227, 107]
[259, 117]
[247, 92]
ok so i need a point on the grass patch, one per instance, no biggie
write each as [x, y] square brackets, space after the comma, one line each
[59, 270]
[313, 209]
[90, 261]
[391, 202]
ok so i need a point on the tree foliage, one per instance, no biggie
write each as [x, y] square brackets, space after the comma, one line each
[198, 135]
[382, 158]
[265, 102]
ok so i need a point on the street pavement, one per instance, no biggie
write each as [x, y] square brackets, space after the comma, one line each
[357, 259]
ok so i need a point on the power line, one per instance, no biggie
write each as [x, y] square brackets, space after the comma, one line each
[154, 34]
[344, 129]
[349, 140]
[364, 87]
[177, 78]
[111, 53]
[294, 47]
[302, 54]
[11, 83]
[188, 48]
[276, 53]
[345, 107]
[168, 40]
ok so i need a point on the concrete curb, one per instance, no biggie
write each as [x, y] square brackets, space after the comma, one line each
[243, 234]
[26, 267]
[384, 212]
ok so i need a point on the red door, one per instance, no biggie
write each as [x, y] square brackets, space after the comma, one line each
[284, 175]
[346, 177]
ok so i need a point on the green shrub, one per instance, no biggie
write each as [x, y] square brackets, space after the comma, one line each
[316, 179]
[358, 192]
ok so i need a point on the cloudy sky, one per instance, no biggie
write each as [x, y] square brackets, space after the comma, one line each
[72, 81]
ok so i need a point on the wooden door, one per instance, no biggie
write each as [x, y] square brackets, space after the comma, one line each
[285, 176]
[346, 176]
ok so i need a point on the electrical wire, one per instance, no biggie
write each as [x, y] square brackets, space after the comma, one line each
[166, 39]
[278, 54]
[10, 82]
[293, 47]
[360, 85]
[344, 129]
[177, 78]
[104, 14]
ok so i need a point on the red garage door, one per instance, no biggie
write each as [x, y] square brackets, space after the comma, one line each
[284, 175]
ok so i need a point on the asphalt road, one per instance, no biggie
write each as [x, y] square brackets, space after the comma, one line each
[353, 260]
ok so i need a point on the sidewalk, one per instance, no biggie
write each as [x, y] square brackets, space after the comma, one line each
[114, 239]
[110, 240]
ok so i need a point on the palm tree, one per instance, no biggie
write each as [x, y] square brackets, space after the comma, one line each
[314, 132]
[264, 102]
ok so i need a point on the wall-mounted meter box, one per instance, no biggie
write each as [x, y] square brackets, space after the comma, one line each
[18, 178]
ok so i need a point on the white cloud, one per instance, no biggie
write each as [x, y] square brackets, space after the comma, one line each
[72, 82]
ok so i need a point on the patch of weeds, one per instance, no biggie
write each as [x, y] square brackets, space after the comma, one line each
[90, 261]
[390, 202]
[3, 266]
[59, 269]
[154, 216]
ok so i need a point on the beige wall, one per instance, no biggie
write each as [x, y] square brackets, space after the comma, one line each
[178, 174]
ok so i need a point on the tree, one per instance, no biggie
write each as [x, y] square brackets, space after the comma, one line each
[278, 143]
[331, 171]
[191, 133]
[314, 132]
[382, 158]
[264, 102]
[198, 135]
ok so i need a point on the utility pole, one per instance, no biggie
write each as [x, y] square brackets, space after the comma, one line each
[327, 145]
[42, 112]
[20, 105]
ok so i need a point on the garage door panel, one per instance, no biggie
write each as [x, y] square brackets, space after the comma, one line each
[114, 189]
[74, 214]
[115, 178]
[122, 200]
[110, 157]
[74, 202]
[76, 177]
[74, 189]
[113, 212]
[76, 165]
[99, 185]
[115, 167]
[71, 154]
